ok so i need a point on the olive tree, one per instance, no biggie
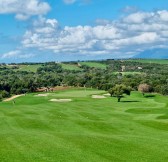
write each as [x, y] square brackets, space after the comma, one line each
[119, 90]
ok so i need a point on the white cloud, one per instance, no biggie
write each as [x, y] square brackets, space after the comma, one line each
[16, 54]
[163, 15]
[120, 38]
[11, 54]
[23, 9]
[138, 17]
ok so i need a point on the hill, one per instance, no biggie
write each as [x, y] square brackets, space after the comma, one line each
[154, 54]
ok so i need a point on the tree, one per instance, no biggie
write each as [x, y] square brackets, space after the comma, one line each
[143, 88]
[119, 90]
[4, 94]
[1, 97]
[164, 90]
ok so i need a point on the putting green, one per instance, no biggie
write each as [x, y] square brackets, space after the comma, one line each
[85, 129]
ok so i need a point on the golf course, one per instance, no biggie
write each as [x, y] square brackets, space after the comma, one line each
[84, 125]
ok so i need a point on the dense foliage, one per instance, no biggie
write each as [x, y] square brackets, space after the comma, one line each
[129, 73]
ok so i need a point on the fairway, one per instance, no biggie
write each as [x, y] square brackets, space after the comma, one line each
[86, 129]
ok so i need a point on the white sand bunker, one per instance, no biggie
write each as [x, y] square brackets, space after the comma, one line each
[42, 95]
[98, 96]
[107, 94]
[61, 100]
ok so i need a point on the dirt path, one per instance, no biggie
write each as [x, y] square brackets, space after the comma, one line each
[11, 98]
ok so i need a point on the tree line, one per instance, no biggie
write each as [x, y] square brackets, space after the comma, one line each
[126, 74]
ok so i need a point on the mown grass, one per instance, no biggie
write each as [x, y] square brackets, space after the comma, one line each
[86, 129]
[94, 64]
[156, 61]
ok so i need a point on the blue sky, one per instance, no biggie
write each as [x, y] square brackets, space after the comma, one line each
[56, 30]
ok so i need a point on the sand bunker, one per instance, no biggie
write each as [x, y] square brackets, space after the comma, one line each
[12, 98]
[42, 95]
[107, 94]
[98, 96]
[61, 100]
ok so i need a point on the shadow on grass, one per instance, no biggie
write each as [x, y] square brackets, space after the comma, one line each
[130, 101]
[149, 96]
[163, 117]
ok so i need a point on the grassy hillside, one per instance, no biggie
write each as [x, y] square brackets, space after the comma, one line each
[85, 129]
[94, 64]
[157, 61]
[70, 67]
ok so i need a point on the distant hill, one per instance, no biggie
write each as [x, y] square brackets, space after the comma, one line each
[154, 54]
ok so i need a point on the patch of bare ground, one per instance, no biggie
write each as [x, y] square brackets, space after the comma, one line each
[12, 98]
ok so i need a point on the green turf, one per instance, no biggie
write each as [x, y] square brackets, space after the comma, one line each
[84, 130]
[157, 61]
[94, 64]
[70, 67]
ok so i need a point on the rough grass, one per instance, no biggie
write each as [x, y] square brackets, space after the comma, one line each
[85, 130]
[94, 64]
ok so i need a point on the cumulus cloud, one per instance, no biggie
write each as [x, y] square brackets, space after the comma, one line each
[79, 39]
[23, 9]
[125, 37]
[120, 38]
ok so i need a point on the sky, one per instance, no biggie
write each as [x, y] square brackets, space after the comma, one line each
[67, 30]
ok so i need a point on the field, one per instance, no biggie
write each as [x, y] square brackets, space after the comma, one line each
[156, 61]
[85, 129]
[70, 67]
[29, 68]
[94, 64]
